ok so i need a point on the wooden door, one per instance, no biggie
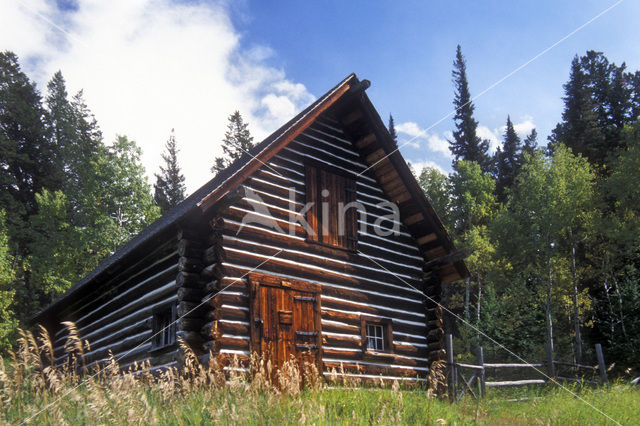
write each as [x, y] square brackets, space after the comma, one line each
[285, 320]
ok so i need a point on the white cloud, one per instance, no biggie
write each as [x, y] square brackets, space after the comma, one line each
[417, 166]
[149, 66]
[412, 129]
[434, 142]
[438, 144]
[524, 127]
[491, 135]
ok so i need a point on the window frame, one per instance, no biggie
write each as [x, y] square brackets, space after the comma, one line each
[313, 189]
[161, 340]
[387, 334]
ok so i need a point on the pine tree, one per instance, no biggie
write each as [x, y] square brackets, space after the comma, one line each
[507, 161]
[392, 130]
[169, 186]
[236, 143]
[466, 145]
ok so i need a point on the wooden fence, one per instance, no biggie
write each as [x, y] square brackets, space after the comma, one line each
[479, 372]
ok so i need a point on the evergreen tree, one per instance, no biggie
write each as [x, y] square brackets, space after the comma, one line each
[579, 129]
[466, 145]
[26, 154]
[610, 92]
[169, 186]
[392, 130]
[507, 161]
[530, 143]
[62, 127]
[236, 143]
[634, 82]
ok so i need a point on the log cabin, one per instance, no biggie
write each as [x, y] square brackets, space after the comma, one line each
[258, 260]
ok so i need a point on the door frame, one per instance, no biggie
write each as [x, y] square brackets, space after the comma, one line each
[256, 280]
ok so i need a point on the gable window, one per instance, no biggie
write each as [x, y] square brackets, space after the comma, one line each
[377, 335]
[332, 216]
[164, 326]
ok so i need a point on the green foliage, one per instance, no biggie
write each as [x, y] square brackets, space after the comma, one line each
[466, 145]
[169, 188]
[70, 201]
[392, 130]
[474, 202]
[507, 160]
[53, 259]
[26, 152]
[436, 186]
[237, 142]
[8, 322]
[122, 194]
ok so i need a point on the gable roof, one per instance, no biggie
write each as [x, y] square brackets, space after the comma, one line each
[361, 119]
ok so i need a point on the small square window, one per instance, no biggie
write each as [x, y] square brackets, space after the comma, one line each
[375, 337]
[164, 327]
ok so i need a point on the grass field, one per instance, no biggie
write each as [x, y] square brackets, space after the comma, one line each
[36, 394]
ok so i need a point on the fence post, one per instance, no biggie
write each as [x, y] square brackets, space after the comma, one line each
[481, 364]
[602, 367]
[551, 371]
[453, 376]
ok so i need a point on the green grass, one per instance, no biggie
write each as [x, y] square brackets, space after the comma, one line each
[241, 404]
[34, 393]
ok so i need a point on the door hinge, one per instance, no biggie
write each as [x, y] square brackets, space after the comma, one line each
[306, 347]
[304, 299]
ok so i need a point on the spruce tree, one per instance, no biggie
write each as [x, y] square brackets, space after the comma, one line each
[62, 126]
[236, 143]
[392, 130]
[169, 186]
[508, 161]
[579, 129]
[466, 145]
[26, 151]
[634, 82]
[530, 142]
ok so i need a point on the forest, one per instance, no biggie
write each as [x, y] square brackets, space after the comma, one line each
[551, 227]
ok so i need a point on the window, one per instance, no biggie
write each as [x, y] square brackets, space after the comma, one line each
[164, 326]
[377, 336]
[332, 216]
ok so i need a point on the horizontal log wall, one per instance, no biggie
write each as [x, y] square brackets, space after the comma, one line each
[117, 315]
[377, 281]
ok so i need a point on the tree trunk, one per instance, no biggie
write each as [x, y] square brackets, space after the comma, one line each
[576, 307]
[478, 305]
[548, 320]
[617, 288]
[467, 313]
[606, 287]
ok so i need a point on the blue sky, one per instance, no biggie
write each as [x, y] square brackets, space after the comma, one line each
[147, 66]
[406, 49]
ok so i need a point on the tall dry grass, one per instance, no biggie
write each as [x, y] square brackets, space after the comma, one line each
[35, 387]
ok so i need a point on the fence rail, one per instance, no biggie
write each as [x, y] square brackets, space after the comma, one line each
[457, 371]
